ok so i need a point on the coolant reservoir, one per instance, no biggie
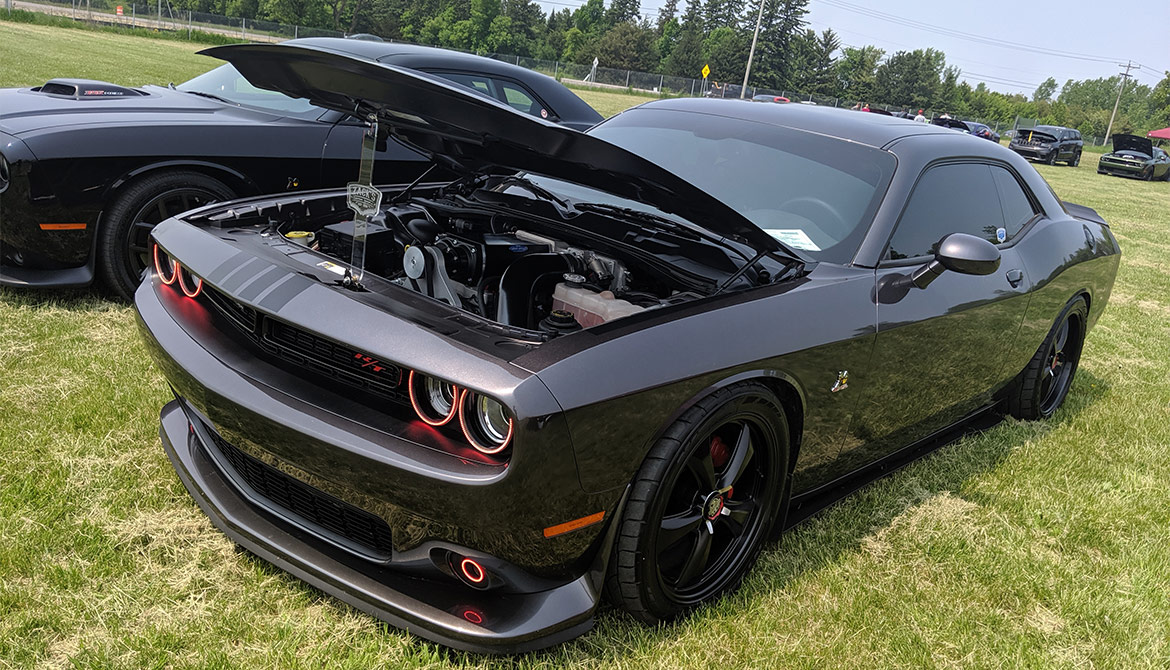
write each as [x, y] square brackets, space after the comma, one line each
[590, 307]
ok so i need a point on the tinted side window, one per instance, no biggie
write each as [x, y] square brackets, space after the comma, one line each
[947, 199]
[517, 98]
[1017, 209]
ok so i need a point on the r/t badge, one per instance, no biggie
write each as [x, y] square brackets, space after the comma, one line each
[842, 381]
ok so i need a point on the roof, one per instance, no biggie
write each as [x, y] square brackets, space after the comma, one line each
[1163, 134]
[416, 57]
[876, 130]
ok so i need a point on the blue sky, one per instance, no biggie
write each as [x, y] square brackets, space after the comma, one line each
[1088, 35]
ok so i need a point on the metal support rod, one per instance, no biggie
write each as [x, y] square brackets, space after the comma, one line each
[752, 53]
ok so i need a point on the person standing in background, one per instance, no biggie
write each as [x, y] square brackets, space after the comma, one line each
[920, 118]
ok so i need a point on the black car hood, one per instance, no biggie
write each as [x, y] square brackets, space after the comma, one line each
[24, 110]
[1133, 143]
[477, 134]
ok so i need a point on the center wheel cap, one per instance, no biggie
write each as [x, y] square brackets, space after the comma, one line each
[713, 507]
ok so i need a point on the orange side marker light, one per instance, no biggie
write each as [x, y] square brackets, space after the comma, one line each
[575, 524]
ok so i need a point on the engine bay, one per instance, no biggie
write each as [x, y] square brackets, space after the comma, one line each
[506, 268]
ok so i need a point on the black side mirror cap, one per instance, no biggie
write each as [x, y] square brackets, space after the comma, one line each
[958, 252]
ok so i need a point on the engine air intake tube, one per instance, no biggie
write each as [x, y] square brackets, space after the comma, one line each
[519, 283]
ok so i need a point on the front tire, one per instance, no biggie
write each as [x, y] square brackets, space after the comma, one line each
[1044, 384]
[123, 240]
[1076, 160]
[702, 504]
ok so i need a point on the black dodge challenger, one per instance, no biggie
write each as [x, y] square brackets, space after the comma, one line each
[595, 365]
[1135, 156]
[88, 168]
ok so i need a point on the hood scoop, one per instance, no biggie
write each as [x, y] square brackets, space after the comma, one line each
[86, 89]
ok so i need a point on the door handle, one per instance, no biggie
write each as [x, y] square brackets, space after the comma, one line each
[1014, 277]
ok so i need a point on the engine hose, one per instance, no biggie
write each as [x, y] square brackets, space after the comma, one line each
[514, 302]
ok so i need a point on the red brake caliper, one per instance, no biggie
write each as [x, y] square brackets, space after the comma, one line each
[719, 452]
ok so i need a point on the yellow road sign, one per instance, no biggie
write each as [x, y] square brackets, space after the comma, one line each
[706, 71]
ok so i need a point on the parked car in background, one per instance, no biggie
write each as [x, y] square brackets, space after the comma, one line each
[603, 364]
[1137, 157]
[91, 167]
[982, 130]
[950, 122]
[763, 97]
[1049, 144]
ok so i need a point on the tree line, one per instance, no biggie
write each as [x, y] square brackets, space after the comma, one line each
[679, 41]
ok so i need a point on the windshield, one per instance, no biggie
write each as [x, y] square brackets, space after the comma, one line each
[227, 83]
[810, 192]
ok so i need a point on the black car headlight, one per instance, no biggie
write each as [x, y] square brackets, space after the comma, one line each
[486, 423]
[435, 401]
[5, 173]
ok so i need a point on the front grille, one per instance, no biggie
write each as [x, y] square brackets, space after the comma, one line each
[293, 345]
[306, 502]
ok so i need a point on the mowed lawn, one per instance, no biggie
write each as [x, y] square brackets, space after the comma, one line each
[1028, 545]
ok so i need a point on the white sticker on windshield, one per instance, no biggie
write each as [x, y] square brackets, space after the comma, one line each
[795, 238]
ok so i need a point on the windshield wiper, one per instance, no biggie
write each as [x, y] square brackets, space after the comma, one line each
[536, 190]
[209, 95]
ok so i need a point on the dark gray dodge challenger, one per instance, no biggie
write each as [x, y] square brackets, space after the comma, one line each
[604, 364]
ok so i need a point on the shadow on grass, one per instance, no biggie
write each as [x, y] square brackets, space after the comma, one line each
[69, 299]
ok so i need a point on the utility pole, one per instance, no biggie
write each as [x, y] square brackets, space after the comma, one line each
[752, 53]
[1124, 77]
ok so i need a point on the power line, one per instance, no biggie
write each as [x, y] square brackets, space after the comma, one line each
[958, 34]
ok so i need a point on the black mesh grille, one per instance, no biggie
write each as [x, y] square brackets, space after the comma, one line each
[313, 505]
[318, 354]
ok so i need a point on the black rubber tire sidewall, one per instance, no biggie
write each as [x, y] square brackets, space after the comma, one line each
[632, 581]
[1024, 401]
[112, 248]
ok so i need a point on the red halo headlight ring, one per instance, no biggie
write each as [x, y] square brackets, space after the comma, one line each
[420, 387]
[488, 428]
[173, 267]
[191, 285]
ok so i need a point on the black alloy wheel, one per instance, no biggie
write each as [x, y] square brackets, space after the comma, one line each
[702, 505]
[124, 244]
[1051, 159]
[1042, 387]
[1076, 161]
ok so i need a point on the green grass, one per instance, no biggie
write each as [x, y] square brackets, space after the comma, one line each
[1029, 545]
[37, 18]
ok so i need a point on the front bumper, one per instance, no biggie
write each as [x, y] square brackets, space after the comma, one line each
[405, 591]
[453, 616]
[1121, 169]
[1032, 153]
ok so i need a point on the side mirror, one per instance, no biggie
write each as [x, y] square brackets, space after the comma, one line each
[958, 252]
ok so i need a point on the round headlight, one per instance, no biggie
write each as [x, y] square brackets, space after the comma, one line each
[434, 400]
[485, 422]
[190, 283]
[165, 266]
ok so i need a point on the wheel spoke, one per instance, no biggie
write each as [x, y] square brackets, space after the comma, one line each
[703, 469]
[676, 527]
[740, 455]
[737, 515]
[697, 560]
[162, 210]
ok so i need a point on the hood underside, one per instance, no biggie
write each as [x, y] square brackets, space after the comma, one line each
[1133, 143]
[476, 134]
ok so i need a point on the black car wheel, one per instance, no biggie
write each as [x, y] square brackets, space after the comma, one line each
[124, 242]
[1051, 159]
[1076, 160]
[702, 504]
[1042, 387]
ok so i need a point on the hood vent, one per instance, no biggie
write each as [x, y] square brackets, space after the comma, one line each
[85, 89]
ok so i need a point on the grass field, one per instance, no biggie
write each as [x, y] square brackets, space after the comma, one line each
[1026, 546]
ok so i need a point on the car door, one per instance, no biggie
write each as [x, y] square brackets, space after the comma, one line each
[940, 351]
[1161, 164]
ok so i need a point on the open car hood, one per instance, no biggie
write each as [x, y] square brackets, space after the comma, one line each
[474, 133]
[1133, 143]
